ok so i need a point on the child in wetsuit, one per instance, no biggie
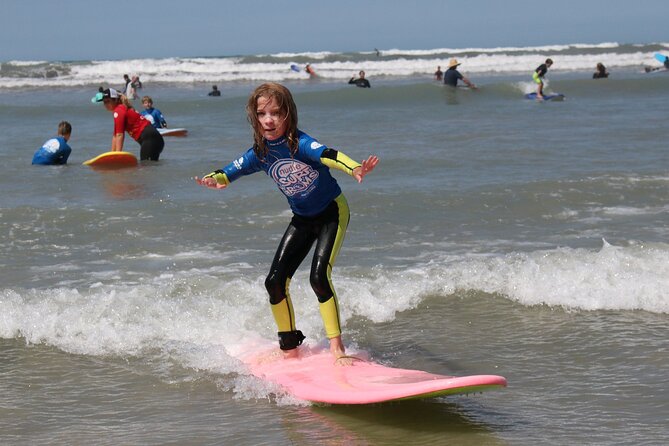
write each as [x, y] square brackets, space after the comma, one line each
[151, 113]
[300, 166]
[538, 77]
[55, 151]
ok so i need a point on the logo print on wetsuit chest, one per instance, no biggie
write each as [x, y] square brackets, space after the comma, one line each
[292, 176]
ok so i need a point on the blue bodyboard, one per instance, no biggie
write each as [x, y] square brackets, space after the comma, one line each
[547, 97]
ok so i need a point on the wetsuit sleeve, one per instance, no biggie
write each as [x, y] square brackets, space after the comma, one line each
[219, 176]
[335, 159]
[245, 165]
[161, 119]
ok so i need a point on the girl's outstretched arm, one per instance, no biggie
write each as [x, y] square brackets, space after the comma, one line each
[366, 167]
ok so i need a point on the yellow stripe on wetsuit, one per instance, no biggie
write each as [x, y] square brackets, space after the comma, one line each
[335, 159]
[330, 308]
[283, 312]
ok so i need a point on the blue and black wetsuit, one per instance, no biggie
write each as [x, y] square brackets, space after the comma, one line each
[320, 215]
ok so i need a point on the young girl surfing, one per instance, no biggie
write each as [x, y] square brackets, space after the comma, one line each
[300, 166]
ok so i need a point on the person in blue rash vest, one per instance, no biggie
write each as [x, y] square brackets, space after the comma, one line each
[55, 150]
[151, 113]
[300, 167]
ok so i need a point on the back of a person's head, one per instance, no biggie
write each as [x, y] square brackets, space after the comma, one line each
[64, 128]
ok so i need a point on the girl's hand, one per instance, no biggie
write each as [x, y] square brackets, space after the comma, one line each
[210, 183]
[366, 167]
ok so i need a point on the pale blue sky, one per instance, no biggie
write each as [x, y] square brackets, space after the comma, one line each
[90, 29]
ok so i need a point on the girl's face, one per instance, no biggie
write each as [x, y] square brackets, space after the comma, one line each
[271, 118]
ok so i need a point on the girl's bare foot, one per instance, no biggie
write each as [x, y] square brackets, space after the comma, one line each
[339, 352]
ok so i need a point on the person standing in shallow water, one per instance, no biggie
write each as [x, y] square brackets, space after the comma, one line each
[55, 150]
[600, 72]
[300, 166]
[126, 119]
[452, 75]
[360, 81]
[438, 75]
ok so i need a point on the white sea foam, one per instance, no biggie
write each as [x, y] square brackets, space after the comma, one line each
[328, 65]
[506, 49]
[204, 322]
[195, 307]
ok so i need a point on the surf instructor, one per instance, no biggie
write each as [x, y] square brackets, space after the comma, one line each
[126, 119]
[452, 75]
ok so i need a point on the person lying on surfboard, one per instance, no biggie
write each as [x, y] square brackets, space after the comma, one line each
[127, 119]
[300, 166]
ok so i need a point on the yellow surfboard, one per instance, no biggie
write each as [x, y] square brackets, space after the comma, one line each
[113, 160]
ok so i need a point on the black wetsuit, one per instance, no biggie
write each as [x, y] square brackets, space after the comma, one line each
[360, 82]
[151, 144]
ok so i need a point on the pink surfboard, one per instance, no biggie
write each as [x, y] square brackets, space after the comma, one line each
[316, 378]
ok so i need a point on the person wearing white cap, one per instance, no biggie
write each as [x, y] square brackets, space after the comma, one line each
[126, 119]
[452, 75]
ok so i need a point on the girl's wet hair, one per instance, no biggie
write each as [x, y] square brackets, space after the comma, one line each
[284, 100]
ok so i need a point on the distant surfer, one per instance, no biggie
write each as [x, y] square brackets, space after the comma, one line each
[360, 81]
[309, 69]
[127, 83]
[452, 75]
[300, 166]
[126, 119]
[136, 83]
[538, 77]
[55, 151]
[214, 91]
[438, 75]
[600, 72]
[151, 113]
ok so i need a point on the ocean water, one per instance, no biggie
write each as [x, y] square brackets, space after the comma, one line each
[497, 236]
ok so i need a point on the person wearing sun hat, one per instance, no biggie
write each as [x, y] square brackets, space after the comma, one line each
[126, 119]
[452, 75]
